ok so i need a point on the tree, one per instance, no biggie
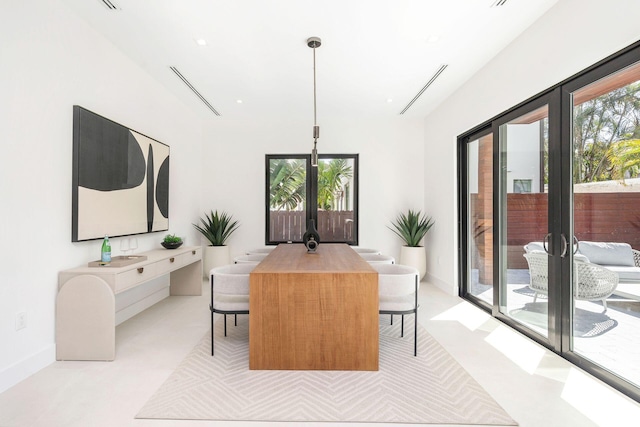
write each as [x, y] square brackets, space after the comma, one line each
[624, 157]
[333, 176]
[598, 124]
[287, 186]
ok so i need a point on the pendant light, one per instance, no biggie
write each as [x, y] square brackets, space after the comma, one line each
[314, 42]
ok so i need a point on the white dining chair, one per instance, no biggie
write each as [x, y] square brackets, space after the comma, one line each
[366, 250]
[229, 293]
[249, 259]
[262, 250]
[378, 259]
[398, 287]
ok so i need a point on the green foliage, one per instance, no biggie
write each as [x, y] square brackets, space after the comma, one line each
[172, 238]
[624, 157]
[600, 128]
[332, 178]
[287, 186]
[412, 227]
[288, 178]
[217, 228]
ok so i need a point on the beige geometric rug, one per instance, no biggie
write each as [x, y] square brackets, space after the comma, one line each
[431, 388]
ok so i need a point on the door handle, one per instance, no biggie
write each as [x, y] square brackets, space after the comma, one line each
[565, 246]
[545, 243]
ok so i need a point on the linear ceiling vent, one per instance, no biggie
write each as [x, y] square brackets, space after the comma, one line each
[429, 83]
[194, 90]
[110, 5]
[498, 3]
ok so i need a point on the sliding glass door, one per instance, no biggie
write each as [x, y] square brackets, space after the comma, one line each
[605, 227]
[550, 222]
[479, 223]
[523, 200]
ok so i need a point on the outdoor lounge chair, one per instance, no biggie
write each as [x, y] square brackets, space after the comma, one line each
[592, 282]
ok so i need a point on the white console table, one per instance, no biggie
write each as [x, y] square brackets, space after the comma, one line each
[85, 305]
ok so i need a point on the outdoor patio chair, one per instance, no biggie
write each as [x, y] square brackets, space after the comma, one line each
[592, 282]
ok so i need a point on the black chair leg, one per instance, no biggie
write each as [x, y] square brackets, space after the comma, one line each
[212, 313]
[391, 320]
[235, 320]
[415, 334]
[402, 327]
[212, 332]
[225, 325]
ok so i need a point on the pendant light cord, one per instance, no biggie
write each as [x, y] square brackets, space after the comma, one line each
[314, 42]
[314, 87]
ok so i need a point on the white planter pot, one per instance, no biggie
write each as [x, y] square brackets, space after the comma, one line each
[214, 256]
[415, 257]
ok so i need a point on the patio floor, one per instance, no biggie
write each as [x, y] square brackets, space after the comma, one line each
[611, 339]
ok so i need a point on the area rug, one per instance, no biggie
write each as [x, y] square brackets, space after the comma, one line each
[431, 388]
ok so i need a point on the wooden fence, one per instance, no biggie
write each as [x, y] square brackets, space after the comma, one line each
[600, 217]
[332, 226]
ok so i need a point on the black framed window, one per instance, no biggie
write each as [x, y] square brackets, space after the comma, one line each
[296, 192]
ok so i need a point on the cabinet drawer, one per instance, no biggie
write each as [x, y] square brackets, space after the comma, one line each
[191, 256]
[134, 276]
[175, 262]
[168, 265]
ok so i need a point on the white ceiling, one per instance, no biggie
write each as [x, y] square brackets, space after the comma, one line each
[372, 50]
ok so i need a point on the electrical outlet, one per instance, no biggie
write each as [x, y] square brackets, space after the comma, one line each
[21, 320]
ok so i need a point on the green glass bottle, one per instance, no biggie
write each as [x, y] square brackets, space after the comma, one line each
[105, 256]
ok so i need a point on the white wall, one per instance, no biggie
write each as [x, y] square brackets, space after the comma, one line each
[523, 154]
[50, 61]
[390, 160]
[573, 35]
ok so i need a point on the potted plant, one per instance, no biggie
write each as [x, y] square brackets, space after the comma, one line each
[216, 228]
[412, 227]
[171, 241]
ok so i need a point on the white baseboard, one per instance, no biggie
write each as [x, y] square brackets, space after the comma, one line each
[27, 367]
[128, 304]
[441, 284]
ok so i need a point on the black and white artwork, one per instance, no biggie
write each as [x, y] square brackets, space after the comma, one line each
[120, 179]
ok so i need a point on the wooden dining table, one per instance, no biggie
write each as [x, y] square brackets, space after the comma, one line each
[313, 311]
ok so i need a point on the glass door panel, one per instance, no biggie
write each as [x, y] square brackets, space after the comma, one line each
[287, 199]
[606, 196]
[523, 192]
[480, 218]
[337, 199]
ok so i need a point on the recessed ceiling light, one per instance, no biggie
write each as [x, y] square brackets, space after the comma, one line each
[433, 39]
[389, 100]
[201, 42]
[239, 101]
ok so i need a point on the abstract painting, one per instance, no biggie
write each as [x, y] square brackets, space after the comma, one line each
[120, 179]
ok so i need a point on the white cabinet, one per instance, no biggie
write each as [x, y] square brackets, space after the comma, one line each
[86, 301]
